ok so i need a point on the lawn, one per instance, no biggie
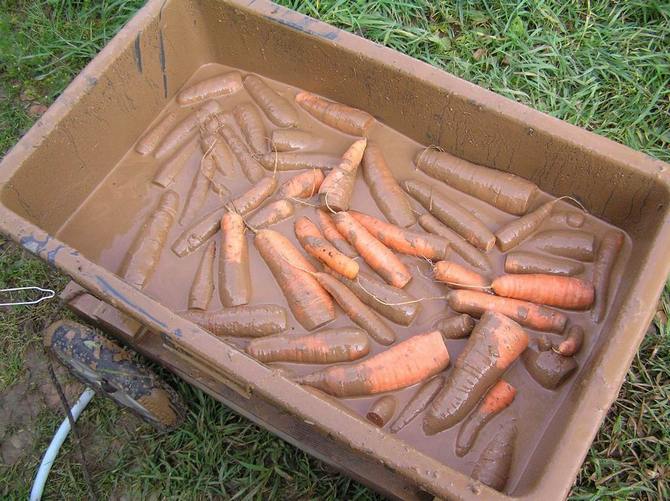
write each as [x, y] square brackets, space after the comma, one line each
[598, 64]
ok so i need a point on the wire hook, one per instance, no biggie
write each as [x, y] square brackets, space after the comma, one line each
[48, 294]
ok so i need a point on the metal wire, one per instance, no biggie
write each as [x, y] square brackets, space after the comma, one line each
[48, 294]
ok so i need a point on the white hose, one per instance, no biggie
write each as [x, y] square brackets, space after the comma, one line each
[56, 442]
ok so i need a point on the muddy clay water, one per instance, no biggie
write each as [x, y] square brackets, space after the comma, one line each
[105, 225]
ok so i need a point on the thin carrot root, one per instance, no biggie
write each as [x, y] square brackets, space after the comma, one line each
[234, 275]
[202, 289]
[152, 138]
[572, 343]
[293, 139]
[333, 235]
[298, 160]
[217, 86]
[214, 147]
[608, 252]
[529, 262]
[512, 234]
[495, 462]
[278, 109]
[417, 403]
[549, 368]
[251, 124]
[338, 186]
[185, 129]
[303, 185]
[456, 327]
[339, 116]
[563, 292]
[171, 168]
[198, 192]
[314, 243]
[241, 321]
[272, 213]
[457, 276]
[382, 410]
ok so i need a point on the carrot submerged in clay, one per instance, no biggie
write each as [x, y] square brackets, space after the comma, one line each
[278, 109]
[531, 315]
[203, 284]
[333, 235]
[563, 292]
[273, 213]
[148, 142]
[213, 146]
[314, 243]
[512, 234]
[495, 344]
[608, 251]
[241, 321]
[573, 244]
[303, 185]
[339, 116]
[251, 124]
[529, 262]
[234, 276]
[382, 410]
[310, 303]
[293, 139]
[498, 398]
[458, 276]
[224, 124]
[171, 168]
[298, 160]
[410, 362]
[385, 190]
[376, 254]
[452, 214]
[455, 327]
[338, 187]
[507, 192]
[197, 194]
[494, 464]
[548, 368]
[210, 88]
[186, 128]
[419, 401]
[254, 196]
[329, 346]
[145, 251]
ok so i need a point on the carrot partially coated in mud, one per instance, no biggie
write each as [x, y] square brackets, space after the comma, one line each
[293, 139]
[563, 292]
[241, 321]
[273, 213]
[210, 88]
[608, 251]
[145, 251]
[376, 254]
[171, 168]
[186, 128]
[329, 346]
[339, 116]
[517, 231]
[548, 368]
[402, 240]
[277, 108]
[150, 140]
[495, 344]
[498, 398]
[529, 262]
[412, 361]
[251, 168]
[458, 276]
[574, 244]
[531, 315]
[419, 401]
[314, 243]
[203, 284]
[251, 124]
[574, 338]
[495, 462]
[303, 185]
[298, 160]
[333, 235]
[234, 276]
[385, 190]
[254, 197]
[197, 194]
[452, 214]
[356, 310]
[202, 230]
[213, 146]
[382, 410]
[571, 218]
[503, 190]
[338, 187]
[310, 303]
[455, 327]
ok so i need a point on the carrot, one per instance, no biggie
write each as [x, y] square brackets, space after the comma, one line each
[571, 218]
[498, 398]
[314, 243]
[419, 401]
[328, 346]
[549, 368]
[410, 362]
[278, 109]
[495, 461]
[333, 235]
[517, 231]
[146, 249]
[402, 240]
[456, 327]
[375, 253]
[529, 315]
[150, 139]
[303, 185]
[382, 410]
[298, 160]
[393, 303]
[310, 303]
[203, 284]
[608, 251]
[544, 343]
[572, 343]
[457, 276]
[453, 215]
[215, 148]
[271, 214]
[255, 196]
[234, 277]
[339, 116]
[198, 192]
[356, 310]
[385, 190]
[338, 187]
[251, 168]
[185, 129]
[241, 321]
[563, 292]
[251, 124]
[210, 88]
[495, 344]
[470, 254]
[174, 165]
[574, 244]
[293, 139]
[202, 230]
[529, 262]
[503, 190]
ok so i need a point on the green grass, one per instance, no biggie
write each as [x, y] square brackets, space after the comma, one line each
[601, 65]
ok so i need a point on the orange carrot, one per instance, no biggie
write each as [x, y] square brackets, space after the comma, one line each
[314, 243]
[529, 315]
[241, 321]
[382, 410]
[495, 344]
[293, 139]
[529, 262]
[608, 251]
[255, 196]
[517, 231]
[171, 168]
[572, 343]
[456, 327]
[210, 88]
[203, 284]
[234, 277]
[148, 142]
[298, 160]
[336, 190]
[278, 109]
[419, 401]
[185, 129]
[202, 230]
[574, 244]
[340, 116]
[498, 398]
[563, 292]
[197, 195]
[333, 235]
[310, 303]
[251, 124]
[494, 464]
[403, 240]
[304, 185]
[273, 213]
[412, 361]
[457, 276]
[375, 253]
